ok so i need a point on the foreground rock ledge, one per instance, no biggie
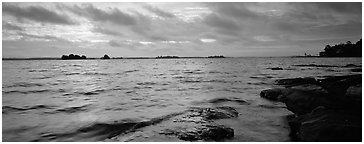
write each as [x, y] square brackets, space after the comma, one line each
[324, 110]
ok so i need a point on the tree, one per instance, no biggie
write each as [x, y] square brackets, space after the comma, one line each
[105, 57]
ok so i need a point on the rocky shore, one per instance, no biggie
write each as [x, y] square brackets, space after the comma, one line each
[327, 109]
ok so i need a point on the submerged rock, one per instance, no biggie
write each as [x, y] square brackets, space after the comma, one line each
[220, 100]
[197, 124]
[210, 132]
[212, 113]
[276, 68]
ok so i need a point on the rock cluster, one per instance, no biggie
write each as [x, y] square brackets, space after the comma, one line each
[325, 110]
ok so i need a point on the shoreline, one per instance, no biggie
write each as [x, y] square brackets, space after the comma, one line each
[327, 109]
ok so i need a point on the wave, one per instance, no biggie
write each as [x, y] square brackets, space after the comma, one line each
[74, 73]
[130, 71]
[95, 73]
[28, 92]
[74, 109]
[101, 131]
[11, 109]
[38, 70]
[24, 84]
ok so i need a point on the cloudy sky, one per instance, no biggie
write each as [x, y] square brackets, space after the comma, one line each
[183, 29]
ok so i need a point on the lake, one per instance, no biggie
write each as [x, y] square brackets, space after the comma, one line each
[56, 100]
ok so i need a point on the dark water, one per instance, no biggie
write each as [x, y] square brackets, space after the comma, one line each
[91, 100]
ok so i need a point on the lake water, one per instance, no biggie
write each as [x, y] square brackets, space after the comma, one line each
[55, 100]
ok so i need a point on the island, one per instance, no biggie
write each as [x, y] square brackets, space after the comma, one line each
[220, 56]
[72, 57]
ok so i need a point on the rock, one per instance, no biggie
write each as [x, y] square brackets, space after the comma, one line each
[211, 113]
[304, 98]
[206, 132]
[324, 125]
[356, 70]
[220, 100]
[274, 94]
[353, 99]
[296, 81]
[354, 93]
[352, 65]
[276, 68]
[197, 124]
[337, 86]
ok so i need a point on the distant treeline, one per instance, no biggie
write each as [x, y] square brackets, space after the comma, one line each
[72, 56]
[342, 50]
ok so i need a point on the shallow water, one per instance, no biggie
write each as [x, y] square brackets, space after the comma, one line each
[91, 100]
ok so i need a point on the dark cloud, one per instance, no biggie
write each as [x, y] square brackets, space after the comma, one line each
[36, 13]
[340, 7]
[224, 25]
[106, 31]
[114, 15]
[235, 10]
[26, 36]
[9, 26]
[159, 12]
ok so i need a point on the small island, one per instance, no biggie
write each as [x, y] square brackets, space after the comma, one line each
[220, 56]
[105, 57]
[167, 57]
[72, 57]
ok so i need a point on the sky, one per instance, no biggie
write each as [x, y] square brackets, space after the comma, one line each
[239, 29]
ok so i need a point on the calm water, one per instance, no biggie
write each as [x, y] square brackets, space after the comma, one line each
[43, 98]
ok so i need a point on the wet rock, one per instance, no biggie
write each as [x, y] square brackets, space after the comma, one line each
[207, 132]
[353, 99]
[352, 65]
[356, 70]
[211, 113]
[324, 125]
[354, 93]
[220, 100]
[198, 124]
[304, 98]
[276, 68]
[337, 86]
[296, 81]
[274, 94]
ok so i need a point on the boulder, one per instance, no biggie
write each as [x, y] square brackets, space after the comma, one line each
[197, 124]
[337, 86]
[304, 98]
[207, 114]
[353, 99]
[276, 68]
[296, 81]
[325, 125]
[274, 94]
[207, 132]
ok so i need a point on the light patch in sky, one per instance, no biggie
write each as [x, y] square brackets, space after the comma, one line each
[205, 40]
